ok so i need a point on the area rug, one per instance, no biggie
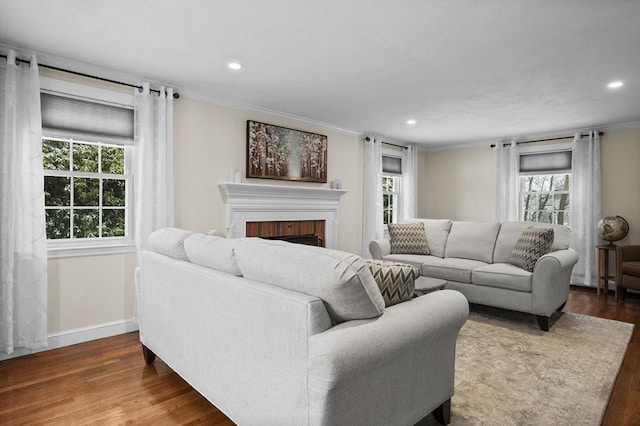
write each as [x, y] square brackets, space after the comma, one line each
[509, 372]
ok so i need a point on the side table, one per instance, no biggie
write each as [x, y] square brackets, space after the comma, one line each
[602, 271]
[426, 285]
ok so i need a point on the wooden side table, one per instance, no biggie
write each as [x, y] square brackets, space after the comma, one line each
[602, 257]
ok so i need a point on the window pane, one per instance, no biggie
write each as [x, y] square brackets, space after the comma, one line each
[113, 223]
[55, 155]
[113, 192]
[561, 183]
[58, 224]
[85, 157]
[545, 217]
[86, 192]
[112, 160]
[57, 191]
[85, 223]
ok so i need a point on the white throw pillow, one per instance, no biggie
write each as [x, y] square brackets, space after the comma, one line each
[213, 252]
[170, 242]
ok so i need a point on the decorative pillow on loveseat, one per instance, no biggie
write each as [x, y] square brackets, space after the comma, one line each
[408, 238]
[395, 280]
[531, 246]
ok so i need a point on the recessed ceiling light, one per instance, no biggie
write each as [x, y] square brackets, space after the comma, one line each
[615, 84]
[234, 65]
[411, 122]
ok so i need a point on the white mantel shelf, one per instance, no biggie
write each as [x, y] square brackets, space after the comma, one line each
[248, 202]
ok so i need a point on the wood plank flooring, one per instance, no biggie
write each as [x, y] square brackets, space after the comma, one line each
[106, 381]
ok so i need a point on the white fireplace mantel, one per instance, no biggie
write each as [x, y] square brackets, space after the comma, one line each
[248, 202]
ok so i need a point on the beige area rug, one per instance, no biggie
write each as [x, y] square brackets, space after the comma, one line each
[509, 372]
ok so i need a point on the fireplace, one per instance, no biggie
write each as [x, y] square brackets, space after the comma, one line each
[309, 232]
[246, 203]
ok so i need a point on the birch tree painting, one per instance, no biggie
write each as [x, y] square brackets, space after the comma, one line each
[275, 152]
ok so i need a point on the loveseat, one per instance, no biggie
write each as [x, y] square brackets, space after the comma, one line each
[476, 259]
[275, 333]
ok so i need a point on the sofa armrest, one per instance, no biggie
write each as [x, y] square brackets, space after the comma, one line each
[404, 359]
[551, 280]
[625, 254]
[380, 248]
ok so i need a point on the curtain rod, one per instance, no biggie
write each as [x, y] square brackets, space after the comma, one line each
[140, 88]
[493, 145]
[386, 143]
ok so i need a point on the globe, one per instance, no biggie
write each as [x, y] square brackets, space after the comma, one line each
[613, 228]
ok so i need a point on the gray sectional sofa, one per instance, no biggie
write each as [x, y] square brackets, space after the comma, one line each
[275, 333]
[474, 258]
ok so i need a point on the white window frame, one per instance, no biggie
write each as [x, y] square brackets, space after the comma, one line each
[397, 194]
[540, 150]
[100, 245]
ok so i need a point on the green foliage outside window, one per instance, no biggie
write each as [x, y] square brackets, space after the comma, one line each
[81, 201]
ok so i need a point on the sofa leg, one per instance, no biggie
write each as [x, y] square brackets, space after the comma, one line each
[148, 355]
[543, 322]
[443, 413]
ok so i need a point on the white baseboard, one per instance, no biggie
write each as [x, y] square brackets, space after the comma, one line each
[79, 335]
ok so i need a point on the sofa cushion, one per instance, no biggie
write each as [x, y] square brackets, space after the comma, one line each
[450, 269]
[437, 231]
[396, 281]
[532, 244]
[502, 275]
[341, 280]
[213, 252]
[510, 232]
[170, 242]
[472, 240]
[408, 238]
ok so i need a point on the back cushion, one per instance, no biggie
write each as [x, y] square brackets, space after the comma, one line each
[510, 232]
[213, 252]
[437, 231]
[341, 280]
[472, 240]
[170, 242]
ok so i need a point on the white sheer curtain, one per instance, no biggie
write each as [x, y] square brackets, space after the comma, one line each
[507, 168]
[409, 183]
[372, 226]
[585, 205]
[23, 240]
[153, 165]
[153, 151]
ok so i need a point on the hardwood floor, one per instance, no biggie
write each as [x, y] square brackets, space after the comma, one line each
[107, 382]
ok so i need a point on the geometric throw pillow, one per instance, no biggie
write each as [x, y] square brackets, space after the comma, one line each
[408, 238]
[531, 246]
[395, 280]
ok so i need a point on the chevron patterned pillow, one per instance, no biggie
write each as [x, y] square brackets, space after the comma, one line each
[408, 238]
[532, 244]
[395, 280]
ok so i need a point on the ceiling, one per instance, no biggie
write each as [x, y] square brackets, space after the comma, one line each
[465, 70]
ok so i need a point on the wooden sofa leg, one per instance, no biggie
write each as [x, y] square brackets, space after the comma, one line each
[443, 413]
[543, 322]
[148, 355]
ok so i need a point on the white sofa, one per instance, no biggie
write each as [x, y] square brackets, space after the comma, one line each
[275, 333]
[474, 258]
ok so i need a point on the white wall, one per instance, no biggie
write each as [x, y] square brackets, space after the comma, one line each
[460, 183]
[211, 139]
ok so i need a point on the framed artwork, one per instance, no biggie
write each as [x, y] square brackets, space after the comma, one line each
[275, 152]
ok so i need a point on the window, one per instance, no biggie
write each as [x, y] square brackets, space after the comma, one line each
[545, 198]
[85, 189]
[87, 137]
[545, 186]
[391, 183]
[390, 186]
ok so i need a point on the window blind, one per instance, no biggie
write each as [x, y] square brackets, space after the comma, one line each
[545, 162]
[391, 165]
[85, 120]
